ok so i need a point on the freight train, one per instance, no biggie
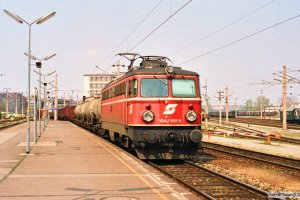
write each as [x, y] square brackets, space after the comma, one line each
[154, 109]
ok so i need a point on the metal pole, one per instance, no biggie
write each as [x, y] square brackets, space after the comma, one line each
[16, 107]
[34, 115]
[235, 110]
[261, 111]
[22, 105]
[206, 104]
[226, 103]
[48, 108]
[40, 102]
[45, 85]
[220, 109]
[55, 100]
[28, 103]
[6, 102]
[64, 99]
[284, 126]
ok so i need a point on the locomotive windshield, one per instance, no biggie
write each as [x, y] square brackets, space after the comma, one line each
[183, 88]
[151, 87]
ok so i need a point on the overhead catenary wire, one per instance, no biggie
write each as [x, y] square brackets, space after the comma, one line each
[224, 27]
[243, 38]
[135, 28]
[160, 25]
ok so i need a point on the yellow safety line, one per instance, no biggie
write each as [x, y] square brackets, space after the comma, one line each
[128, 166]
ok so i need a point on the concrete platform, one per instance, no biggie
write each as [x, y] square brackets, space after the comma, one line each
[70, 163]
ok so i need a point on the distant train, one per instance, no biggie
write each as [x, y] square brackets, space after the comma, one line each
[154, 109]
[242, 113]
[292, 116]
[64, 113]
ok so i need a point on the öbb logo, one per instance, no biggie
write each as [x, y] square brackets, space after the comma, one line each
[170, 109]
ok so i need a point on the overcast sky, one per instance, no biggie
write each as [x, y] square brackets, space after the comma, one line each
[86, 33]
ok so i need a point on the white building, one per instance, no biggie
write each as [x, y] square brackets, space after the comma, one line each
[93, 83]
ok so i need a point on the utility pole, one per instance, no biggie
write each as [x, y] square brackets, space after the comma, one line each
[22, 104]
[55, 100]
[261, 106]
[34, 114]
[220, 107]
[64, 99]
[6, 100]
[206, 104]
[16, 106]
[226, 99]
[284, 99]
[45, 88]
[235, 110]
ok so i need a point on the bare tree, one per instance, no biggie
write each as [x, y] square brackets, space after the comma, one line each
[261, 100]
[290, 101]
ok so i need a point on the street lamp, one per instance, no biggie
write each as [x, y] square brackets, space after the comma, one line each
[45, 88]
[39, 66]
[21, 21]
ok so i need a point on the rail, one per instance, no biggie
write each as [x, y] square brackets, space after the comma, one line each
[263, 122]
[253, 132]
[289, 163]
[9, 123]
[207, 183]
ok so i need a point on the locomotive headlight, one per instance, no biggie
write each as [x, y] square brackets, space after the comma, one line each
[191, 116]
[148, 116]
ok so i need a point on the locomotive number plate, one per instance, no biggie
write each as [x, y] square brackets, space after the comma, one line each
[169, 121]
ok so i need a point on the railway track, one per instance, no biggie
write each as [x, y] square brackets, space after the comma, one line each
[207, 183]
[252, 132]
[8, 123]
[287, 163]
[263, 122]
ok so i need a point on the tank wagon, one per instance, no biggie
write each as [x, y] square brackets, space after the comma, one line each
[154, 109]
[88, 114]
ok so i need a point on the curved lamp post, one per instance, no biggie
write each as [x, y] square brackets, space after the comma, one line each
[39, 66]
[45, 88]
[21, 21]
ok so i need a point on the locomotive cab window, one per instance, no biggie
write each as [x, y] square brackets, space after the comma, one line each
[183, 88]
[133, 84]
[151, 87]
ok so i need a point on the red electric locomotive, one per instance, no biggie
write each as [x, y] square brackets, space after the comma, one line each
[154, 108]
